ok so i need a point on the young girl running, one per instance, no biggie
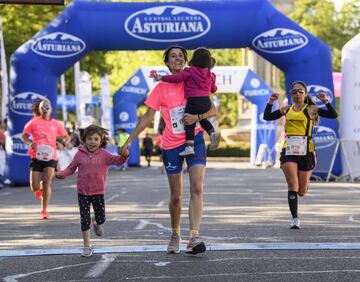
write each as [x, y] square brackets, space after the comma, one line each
[199, 83]
[92, 162]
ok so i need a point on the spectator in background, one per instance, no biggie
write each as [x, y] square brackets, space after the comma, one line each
[122, 138]
[148, 147]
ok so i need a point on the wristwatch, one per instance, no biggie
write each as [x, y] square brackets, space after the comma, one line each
[200, 117]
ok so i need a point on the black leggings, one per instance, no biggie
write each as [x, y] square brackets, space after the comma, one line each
[198, 105]
[98, 204]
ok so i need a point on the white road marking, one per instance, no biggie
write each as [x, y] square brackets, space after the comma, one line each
[112, 198]
[242, 274]
[162, 248]
[5, 194]
[160, 204]
[142, 224]
[13, 278]
[162, 263]
[101, 266]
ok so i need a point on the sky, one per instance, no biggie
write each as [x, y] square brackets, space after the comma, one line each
[338, 3]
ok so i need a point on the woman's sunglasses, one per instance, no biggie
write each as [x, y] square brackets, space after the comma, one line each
[45, 107]
[300, 91]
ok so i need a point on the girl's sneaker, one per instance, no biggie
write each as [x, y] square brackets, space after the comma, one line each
[98, 230]
[195, 246]
[214, 140]
[44, 214]
[87, 252]
[188, 151]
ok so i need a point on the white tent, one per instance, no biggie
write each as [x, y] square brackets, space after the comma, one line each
[350, 108]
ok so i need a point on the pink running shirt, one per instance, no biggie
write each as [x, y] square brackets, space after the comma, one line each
[169, 99]
[44, 132]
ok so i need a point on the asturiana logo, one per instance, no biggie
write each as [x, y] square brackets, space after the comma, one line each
[167, 24]
[323, 137]
[279, 40]
[15, 145]
[22, 103]
[314, 89]
[58, 45]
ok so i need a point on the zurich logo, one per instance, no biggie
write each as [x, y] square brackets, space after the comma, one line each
[58, 45]
[22, 103]
[323, 137]
[123, 116]
[15, 145]
[279, 40]
[314, 89]
[167, 23]
[135, 80]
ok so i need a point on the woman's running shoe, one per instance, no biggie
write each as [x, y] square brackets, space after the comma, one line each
[195, 246]
[44, 214]
[174, 244]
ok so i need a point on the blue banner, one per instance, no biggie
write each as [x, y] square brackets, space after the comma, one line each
[39, 62]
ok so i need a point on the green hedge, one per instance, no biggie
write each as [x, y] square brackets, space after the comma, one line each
[235, 150]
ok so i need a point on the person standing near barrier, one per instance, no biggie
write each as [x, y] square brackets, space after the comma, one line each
[169, 99]
[92, 162]
[148, 146]
[298, 157]
[42, 149]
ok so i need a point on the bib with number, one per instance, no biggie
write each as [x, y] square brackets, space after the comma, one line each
[177, 119]
[44, 153]
[296, 145]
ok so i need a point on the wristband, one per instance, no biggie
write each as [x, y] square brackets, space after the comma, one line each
[200, 117]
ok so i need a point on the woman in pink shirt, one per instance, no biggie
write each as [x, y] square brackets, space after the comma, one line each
[42, 149]
[199, 83]
[170, 100]
[92, 162]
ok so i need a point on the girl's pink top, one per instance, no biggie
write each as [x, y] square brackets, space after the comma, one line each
[198, 82]
[92, 169]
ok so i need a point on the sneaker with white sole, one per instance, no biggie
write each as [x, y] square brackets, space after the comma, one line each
[87, 252]
[98, 230]
[174, 244]
[295, 223]
[195, 246]
[188, 151]
[214, 140]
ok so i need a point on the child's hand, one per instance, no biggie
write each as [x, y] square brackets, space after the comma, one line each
[59, 176]
[125, 153]
[153, 74]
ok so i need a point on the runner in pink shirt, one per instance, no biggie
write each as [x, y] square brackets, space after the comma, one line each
[200, 82]
[170, 100]
[42, 149]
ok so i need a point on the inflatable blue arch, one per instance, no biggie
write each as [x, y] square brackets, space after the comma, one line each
[90, 26]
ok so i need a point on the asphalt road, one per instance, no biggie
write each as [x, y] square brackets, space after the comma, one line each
[245, 226]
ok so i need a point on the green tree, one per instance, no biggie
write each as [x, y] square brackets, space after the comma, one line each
[333, 27]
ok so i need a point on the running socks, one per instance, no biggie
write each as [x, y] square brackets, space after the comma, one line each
[194, 233]
[293, 203]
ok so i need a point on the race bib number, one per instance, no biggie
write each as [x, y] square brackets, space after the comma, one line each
[177, 120]
[296, 146]
[44, 153]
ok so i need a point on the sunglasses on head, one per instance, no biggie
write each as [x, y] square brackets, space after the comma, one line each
[45, 107]
[301, 91]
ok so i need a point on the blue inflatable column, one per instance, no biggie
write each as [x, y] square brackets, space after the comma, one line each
[125, 116]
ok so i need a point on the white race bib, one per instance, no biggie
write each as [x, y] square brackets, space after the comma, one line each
[296, 145]
[177, 119]
[44, 153]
